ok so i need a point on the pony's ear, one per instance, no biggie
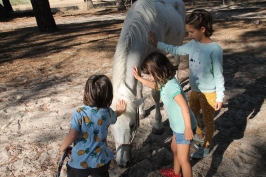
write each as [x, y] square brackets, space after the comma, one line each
[139, 101]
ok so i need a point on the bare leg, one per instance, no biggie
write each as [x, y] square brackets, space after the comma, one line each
[177, 166]
[183, 159]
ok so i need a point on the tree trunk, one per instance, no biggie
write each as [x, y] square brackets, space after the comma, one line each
[2, 10]
[44, 16]
[7, 10]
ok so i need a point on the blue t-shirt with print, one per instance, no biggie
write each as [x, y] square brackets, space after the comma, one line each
[90, 148]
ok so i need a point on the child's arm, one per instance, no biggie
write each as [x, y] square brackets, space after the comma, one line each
[69, 139]
[146, 82]
[174, 50]
[120, 107]
[180, 100]
[217, 60]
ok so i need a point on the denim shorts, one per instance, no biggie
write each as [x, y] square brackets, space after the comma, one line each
[180, 138]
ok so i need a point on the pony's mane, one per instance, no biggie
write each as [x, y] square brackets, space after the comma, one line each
[134, 35]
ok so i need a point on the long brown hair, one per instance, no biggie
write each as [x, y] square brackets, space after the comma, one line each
[159, 66]
[98, 91]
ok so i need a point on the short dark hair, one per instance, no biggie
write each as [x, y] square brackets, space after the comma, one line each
[98, 91]
[200, 18]
[159, 66]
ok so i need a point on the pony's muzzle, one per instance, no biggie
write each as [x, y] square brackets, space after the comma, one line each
[123, 156]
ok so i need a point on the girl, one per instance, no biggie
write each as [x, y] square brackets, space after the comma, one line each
[182, 120]
[206, 73]
[89, 127]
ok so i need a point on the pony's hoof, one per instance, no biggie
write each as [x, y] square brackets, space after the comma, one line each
[157, 131]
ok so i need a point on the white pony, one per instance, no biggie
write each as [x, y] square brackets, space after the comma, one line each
[166, 19]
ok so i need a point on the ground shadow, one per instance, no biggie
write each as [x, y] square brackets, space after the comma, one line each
[25, 39]
[153, 154]
[231, 125]
[29, 43]
[245, 94]
[11, 50]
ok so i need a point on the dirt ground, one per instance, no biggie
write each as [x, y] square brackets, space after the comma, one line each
[43, 75]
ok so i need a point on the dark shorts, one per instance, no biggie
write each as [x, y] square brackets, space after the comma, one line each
[94, 172]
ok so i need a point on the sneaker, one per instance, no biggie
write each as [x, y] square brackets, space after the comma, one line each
[196, 138]
[200, 153]
[197, 145]
[169, 172]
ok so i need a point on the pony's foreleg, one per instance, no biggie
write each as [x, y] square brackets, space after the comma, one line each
[183, 68]
[140, 95]
[157, 125]
[176, 61]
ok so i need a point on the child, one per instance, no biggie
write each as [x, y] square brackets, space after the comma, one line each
[206, 73]
[89, 127]
[181, 118]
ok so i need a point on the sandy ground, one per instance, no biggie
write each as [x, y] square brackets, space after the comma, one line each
[43, 75]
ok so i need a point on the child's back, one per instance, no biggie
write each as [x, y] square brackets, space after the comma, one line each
[90, 148]
[89, 128]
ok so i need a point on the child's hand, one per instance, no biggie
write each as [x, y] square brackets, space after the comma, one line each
[218, 105]
[62, 151]
[136, 73]
[188, 134]
[153, 40]
[121, 107]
